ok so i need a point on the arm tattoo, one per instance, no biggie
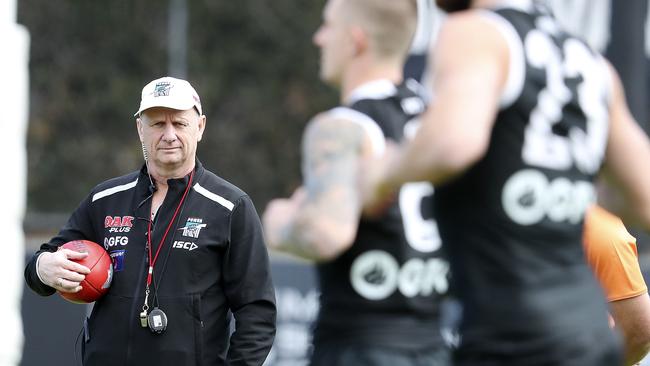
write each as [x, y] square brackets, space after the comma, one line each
[331, 152]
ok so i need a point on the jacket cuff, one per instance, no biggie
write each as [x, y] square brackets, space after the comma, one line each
[38, 273]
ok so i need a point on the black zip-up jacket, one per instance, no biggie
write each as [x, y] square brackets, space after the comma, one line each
[213, 260]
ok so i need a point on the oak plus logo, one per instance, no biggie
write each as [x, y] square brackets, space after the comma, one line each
[376, 275]
[118, 224]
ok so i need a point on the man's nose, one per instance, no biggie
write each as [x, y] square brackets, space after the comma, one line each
[169, 134]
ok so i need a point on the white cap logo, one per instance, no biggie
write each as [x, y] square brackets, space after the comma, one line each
[162, 89]
[171, 93]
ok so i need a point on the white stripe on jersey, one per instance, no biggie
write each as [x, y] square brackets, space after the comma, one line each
[517, 70]
[377, 138]
[523, 5]
[214, 197]
[378, 89]
[116, 189]
[424, 29]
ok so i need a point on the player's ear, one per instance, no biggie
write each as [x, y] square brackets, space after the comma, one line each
[359, 39]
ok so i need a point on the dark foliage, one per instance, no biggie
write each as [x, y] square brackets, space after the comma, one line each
[251, 61]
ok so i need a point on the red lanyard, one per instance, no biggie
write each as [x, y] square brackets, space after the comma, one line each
[162, 241]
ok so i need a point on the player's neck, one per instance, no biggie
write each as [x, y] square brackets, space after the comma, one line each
[361, 73]
[161, 175]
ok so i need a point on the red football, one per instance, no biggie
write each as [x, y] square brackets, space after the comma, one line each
[97, 282]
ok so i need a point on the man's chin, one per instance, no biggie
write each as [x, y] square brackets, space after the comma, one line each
[169, 162]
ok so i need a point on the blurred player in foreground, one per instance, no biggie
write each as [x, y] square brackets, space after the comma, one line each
[381, 280]
[524, 118]
[611, 252]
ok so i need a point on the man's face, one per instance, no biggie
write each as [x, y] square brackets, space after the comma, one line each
[335, 44]
[451, 6]
[170, 136]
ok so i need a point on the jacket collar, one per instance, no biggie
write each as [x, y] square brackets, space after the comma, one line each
[144, 189]
[175, 182]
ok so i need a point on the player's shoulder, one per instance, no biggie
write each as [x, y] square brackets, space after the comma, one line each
[470, 23]
[598, 217]
[467, 35]
[337, 121]
[602, 226]
[338, 116]
[349, 126]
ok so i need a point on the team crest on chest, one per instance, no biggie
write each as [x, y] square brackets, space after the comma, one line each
[193, 227]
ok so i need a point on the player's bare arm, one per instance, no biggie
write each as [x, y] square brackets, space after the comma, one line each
[469, 79]
[632, 318]
[626, 160]
[320, 220]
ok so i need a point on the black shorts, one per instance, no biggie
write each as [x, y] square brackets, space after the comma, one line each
[586, 349]
[346, 354]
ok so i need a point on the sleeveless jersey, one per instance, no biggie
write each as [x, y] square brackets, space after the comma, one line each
[512, 223]
[385, 289]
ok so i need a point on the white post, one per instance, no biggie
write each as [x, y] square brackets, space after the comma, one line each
[177, 39]
[7, 11]
[14, 46]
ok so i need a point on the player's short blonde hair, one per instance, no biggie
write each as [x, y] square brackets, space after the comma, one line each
[389, 24]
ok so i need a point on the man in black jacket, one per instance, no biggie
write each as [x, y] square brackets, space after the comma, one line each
[183, 241]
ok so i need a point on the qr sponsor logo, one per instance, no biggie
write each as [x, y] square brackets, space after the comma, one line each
[376, 275]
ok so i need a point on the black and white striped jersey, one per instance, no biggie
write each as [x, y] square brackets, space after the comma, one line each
[512, 224]
[385, 289]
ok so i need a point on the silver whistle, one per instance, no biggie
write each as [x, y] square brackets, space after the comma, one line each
[143, 319]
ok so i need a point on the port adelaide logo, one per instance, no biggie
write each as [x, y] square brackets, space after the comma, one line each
[193, 227]
[162, 89]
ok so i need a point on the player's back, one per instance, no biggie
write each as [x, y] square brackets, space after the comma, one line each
[385, 289]
[512, 223]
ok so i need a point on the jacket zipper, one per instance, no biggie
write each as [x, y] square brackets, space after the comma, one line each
[138, 291]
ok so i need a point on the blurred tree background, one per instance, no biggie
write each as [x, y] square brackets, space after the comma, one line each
[252, 62]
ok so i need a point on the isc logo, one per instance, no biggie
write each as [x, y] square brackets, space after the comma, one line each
[188, 245]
